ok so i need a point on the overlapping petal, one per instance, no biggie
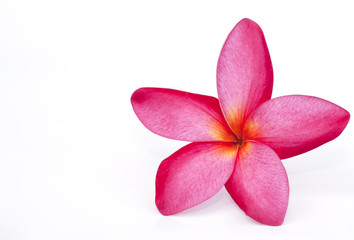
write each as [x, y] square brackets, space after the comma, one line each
[244, 73]
[259, 184]
[295, 124]
[181, 115]
[192, 175]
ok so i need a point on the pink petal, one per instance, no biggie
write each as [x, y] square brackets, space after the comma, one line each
[292, 125]
[259, 184]
[192, 175]
[181, 115]
[244, 73]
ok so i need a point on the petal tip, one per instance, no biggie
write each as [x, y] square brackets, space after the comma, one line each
[161, 209]
[137, 96]
[275, 220]
[275, 224]
[167, 207]
[347, 115]
[248, 23]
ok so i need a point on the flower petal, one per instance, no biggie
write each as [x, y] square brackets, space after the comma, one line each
[192, 175]
[181, 115]
[244, 73]
[295, 124]
[259, 184]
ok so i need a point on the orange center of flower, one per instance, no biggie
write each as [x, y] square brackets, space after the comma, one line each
[239, 141]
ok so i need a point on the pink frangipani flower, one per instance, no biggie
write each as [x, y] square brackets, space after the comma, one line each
[239, 140]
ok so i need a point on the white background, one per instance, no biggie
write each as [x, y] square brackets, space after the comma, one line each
[75, 162]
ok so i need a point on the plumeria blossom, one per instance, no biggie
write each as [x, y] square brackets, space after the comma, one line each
[238, 140]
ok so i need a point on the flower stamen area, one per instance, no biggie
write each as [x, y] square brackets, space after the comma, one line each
[239, 142]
